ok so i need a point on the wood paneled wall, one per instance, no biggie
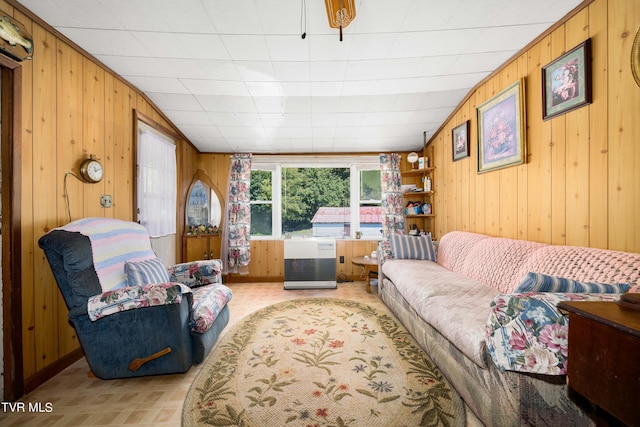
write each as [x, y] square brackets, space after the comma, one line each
[71, 107]
[581, 184]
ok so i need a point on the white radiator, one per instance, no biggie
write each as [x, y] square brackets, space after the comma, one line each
[309, 263]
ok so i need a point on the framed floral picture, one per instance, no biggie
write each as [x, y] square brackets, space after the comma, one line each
[566, 82]
[460, 141]
[501, 129]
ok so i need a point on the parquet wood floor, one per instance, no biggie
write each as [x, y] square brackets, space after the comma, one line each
[72, 398]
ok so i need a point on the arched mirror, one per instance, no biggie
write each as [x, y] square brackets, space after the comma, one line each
[204, 206]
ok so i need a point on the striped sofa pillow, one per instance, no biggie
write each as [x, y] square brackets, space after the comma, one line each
[536, 282]
[412, 247]
[146, 272]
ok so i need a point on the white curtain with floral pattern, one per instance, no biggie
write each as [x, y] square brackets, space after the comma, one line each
[236, 249]
[392, 201]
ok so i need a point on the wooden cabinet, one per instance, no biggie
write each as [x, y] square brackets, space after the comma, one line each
[423, 217]
[201, 247]
[604, 343]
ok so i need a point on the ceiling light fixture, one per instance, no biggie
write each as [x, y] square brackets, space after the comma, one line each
[340, 13]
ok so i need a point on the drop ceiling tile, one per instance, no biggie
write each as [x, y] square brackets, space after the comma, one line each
[226, 103]
[381, 103]
[107, 42]
[329, 48]
[203, 46]
[296, 89]
[409, 101]
[517, 13]
[297, 104]
[348, 132]
[233, 17]
[301, 132]
[242, 132]
[281, 144]
[196, 118]
[387, 18]
[323, 144]
[457, 41]
[349, 119]
[235, 119]
[297, 120]
[248, 47]
[371, 46]
[323, 132]
[276, 132]
[264, 89]
[99, 16]
[269, 120]
[214, 145]
[173, 101]
[363, 70]
[157, 84]
[215, 87]
[414, 44]
[505, 38]
[270, 104]
[279, 16]
[324, 119]
[352, 104]
[484, 61]
[326, 89]
[407, 67]
[292, 71]
[287, 48]
[328, 71]
[179, 45]
[158, 15]
[325, 104]
[256, 71]
[358, 88]
[200, 131]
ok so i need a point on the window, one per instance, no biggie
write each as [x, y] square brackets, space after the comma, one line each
[309, 196]
[370, 212]
[315, 201]
[261, 203]
[156, 181]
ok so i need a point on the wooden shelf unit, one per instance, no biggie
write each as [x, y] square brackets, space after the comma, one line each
[417, 176]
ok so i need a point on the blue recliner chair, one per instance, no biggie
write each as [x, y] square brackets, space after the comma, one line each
[132, 316]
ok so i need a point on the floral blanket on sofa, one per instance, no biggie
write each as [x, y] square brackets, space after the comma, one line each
[526, 333]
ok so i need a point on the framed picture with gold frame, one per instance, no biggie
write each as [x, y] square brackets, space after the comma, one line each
[501, 129]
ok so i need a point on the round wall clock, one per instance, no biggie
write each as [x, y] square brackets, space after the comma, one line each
[91, 170]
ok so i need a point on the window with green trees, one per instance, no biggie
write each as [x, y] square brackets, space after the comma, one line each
[315, 201]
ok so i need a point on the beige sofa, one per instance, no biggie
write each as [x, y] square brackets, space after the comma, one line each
[446, 305]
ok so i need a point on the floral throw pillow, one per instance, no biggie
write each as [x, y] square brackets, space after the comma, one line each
[536, 282]
[197, 273]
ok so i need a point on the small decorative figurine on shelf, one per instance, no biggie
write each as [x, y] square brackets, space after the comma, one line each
[203, 229]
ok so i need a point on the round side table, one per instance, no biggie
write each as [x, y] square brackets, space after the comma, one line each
[369, 265]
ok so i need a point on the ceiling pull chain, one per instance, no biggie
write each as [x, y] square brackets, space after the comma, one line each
[303, 19]
[341, 17]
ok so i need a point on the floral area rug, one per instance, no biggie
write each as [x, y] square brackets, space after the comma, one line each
[320, 362]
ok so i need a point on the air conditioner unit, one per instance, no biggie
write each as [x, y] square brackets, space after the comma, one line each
[310, 263]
